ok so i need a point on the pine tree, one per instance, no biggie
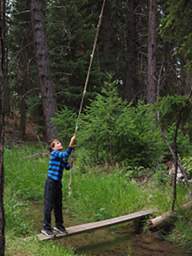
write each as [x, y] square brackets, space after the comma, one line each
[71, 30]
[131, 85]
[176, 36]
[41, 52]
[152, 52]
[21, 59]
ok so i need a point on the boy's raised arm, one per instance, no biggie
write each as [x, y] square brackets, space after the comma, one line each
[62, 154]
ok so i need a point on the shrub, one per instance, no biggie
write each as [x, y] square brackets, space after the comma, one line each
[174, 108]
[111, 130]
[114, 131]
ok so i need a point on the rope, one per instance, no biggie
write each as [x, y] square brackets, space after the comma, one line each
[90, 65]
[86, 83]
[70, 183]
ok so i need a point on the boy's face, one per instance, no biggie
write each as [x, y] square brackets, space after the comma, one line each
[57, 145]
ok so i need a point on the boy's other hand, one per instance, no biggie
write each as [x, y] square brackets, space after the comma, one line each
[73, 141]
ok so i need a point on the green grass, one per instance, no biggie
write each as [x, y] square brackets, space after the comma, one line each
[183, 229]
[102, 196]
[24, 182]
[15, 214]
[32, 247]
[25, 175]
[96, 195]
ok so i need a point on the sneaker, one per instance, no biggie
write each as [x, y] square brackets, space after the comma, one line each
[47, 232]
[60, 230]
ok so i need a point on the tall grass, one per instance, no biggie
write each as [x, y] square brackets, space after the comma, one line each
[102, 196]
[99, 196]
[24, 175]
[24, 182]
[15, 214]
[96, 195]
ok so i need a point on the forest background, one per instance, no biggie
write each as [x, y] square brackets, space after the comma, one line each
[138, 101]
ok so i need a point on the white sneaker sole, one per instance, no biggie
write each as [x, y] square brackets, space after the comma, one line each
[59, 232]
[45, 234]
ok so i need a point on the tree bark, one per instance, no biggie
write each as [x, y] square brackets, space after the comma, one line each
[47, 86]
[151, 84]
[25, 53]
[131, 83]
[2, 86]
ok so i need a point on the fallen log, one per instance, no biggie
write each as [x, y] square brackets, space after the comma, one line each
[167, 218]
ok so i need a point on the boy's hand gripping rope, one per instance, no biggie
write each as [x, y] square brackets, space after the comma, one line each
[86, 83]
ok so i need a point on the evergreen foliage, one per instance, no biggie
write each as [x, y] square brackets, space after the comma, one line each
[71, 26]
[71, 29]
[113, 131]
[176, 29]
[172, 108]
[65, 123]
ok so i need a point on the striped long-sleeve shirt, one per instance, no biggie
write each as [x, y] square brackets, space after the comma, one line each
[58, 162]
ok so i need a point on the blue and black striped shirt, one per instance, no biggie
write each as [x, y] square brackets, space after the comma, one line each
[58, 162]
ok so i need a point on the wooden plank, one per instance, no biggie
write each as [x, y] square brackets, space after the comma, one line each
[99, 224]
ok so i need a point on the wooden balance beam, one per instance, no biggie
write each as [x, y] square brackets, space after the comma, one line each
[99, 224]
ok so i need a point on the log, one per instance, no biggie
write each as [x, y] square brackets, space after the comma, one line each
[167, 218]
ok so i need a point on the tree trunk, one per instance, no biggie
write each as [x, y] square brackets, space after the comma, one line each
[2, 70]
[131, 84]
[24, 56]
[47, 86]
[151, 84]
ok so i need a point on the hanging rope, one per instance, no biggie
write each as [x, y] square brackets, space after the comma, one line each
[90, 65]
[86, 83]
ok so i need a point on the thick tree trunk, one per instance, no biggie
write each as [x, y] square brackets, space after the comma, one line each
[47, 86]
[2, 63]
[151, 84]
[131, 84]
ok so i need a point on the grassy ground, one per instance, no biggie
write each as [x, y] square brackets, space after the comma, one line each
[30, 246]
[96, 195]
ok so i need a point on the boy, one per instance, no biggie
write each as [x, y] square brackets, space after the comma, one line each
[53, 186]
